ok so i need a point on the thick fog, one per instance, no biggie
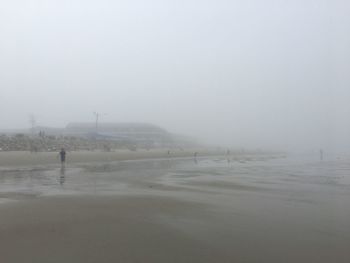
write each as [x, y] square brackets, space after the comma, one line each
[255, 74]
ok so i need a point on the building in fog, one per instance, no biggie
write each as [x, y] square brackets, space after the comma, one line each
[88, 136]
[140, 133]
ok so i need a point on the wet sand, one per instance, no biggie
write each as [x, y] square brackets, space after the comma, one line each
[21, 158]
[89, 229]
[209, 210]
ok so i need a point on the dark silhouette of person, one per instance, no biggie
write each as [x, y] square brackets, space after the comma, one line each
[63, 156]
[321, 154]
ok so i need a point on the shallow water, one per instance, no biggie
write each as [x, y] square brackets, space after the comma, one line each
[306, 179]
[293, 209]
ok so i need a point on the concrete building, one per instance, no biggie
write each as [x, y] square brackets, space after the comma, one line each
[126, 132]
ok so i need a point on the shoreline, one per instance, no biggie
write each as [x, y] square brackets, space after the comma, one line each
[27, 159]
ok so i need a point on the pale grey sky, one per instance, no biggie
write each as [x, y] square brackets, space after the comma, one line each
[246, 73]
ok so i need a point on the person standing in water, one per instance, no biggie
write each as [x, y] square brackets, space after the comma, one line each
[62, 155]
[321, 154]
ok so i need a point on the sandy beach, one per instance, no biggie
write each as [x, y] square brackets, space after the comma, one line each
[25, 158]
[246, 209]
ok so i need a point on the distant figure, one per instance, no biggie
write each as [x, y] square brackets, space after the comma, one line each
[228, 152]
[63, 156]
[168, 152]
[321, 154]
[195, 157]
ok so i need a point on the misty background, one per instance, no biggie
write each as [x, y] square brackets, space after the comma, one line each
[256, 74]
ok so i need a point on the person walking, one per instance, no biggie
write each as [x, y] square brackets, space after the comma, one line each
[62, 155]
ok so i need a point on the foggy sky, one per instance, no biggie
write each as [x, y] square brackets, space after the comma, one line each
[264, 74]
